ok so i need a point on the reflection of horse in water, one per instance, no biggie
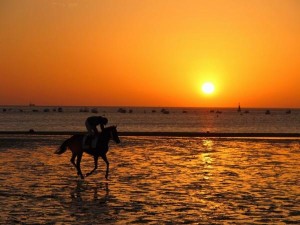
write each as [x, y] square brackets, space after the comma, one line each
[88, 203]
[75, 144]
[83, 188]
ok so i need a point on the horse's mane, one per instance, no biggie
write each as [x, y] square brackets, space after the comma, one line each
[108, 129]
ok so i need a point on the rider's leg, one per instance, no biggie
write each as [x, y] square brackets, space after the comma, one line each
[89, 128]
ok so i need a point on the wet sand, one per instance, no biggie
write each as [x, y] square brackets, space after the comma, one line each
[153, 180]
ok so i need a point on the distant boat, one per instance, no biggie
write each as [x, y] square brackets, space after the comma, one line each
[121, 110]
[46, 110]
[85, 109]
[288, 111]
[94, 110]
[164, 111]
[268, 112]
[239, 108]
[246, 111]
[59, 109]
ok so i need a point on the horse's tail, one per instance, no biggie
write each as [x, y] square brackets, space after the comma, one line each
[63, 147]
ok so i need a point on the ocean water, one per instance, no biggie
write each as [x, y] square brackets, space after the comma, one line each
[152, 119]
[152, 181]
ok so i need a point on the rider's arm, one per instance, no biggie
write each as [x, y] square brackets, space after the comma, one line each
[102, 127]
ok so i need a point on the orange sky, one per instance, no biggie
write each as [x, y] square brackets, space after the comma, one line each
[150, 52]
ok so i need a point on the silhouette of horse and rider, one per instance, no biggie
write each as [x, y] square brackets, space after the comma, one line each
[77, 143]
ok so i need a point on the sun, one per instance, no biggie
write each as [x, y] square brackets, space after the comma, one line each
[208, 88]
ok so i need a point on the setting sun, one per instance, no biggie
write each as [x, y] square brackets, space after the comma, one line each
[137, 53]
[208, 88]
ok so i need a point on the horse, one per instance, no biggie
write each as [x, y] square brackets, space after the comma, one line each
[75, 144]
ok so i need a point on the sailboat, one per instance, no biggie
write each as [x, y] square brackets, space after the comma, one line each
[239, 108]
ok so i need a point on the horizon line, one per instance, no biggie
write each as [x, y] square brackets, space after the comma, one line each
[138, 106]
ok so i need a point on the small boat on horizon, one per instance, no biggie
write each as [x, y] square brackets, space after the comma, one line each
[94, 110]
[121, 110]
[239, 108]
[85, 109]
[164, 111]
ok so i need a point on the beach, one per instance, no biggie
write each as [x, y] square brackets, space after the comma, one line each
[192, 109]
[153, 180]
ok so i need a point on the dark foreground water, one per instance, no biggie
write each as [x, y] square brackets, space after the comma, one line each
[152, 181]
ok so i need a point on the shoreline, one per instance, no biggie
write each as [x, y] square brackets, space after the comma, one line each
[162, 134]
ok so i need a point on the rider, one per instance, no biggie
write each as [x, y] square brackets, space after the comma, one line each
[92, 122]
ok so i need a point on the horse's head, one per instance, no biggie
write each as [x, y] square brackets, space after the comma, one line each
[114, 134]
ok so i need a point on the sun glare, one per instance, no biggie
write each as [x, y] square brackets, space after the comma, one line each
[208, 88]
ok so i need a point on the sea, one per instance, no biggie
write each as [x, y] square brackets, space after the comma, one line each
[152, 179]
[155, 119]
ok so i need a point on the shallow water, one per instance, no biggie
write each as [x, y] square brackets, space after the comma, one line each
[152, 181]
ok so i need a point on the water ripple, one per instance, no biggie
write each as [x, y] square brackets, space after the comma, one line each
[153, 181]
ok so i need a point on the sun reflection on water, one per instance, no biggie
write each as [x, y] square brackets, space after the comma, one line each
[155, 181]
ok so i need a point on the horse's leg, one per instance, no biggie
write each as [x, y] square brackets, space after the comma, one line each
[107, 165]
[79, 156]
[73, 159]
[96, 165]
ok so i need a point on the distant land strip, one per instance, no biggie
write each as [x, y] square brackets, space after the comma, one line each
[161, 134]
